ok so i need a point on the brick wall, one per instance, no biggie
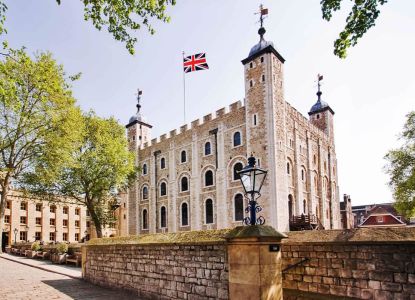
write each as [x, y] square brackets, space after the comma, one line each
[164, 271]
[365, 270]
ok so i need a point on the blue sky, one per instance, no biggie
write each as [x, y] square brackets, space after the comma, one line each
[370, 91]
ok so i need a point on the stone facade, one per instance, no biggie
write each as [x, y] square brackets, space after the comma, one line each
[197, 271]
[363, 270]
[299, 154]
[364, 264]
[37, 219]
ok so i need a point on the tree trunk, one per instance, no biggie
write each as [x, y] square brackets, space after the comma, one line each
[3, 200]
[95, 218]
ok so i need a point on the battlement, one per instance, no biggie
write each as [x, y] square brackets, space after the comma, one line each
[220, 113]
[299, 117]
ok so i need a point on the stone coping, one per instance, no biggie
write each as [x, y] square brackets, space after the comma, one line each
[182, 238]
[392, 235]
[256, 231]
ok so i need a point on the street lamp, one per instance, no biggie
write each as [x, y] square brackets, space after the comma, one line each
[15, 231]
[252, 179]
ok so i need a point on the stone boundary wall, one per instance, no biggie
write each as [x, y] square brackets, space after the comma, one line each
[160, 271]
[364, 270]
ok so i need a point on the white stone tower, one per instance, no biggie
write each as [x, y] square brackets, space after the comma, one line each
[138, 133]
[265, 125]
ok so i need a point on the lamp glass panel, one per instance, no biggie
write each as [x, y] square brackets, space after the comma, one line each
[247, 181]
[259, 180]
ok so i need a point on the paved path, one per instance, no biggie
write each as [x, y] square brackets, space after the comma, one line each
[46, 265]
[21, 282]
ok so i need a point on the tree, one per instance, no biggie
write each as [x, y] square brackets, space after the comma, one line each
[120, 17]
[401, 168]
[101, 167]
[38, 118]
[361, 18]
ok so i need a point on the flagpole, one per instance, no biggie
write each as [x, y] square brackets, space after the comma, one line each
[184, 92]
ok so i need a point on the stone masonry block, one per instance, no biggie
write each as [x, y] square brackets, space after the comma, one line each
[400, 277]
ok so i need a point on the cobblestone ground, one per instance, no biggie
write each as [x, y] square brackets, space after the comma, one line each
[19, 282]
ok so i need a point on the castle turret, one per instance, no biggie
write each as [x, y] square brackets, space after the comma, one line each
[321, 114]
[265, 123]
[138, 133]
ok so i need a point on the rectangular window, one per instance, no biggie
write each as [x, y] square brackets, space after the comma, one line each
[23, 220]
[65, 223]
[22, 205]
[52, 209]
[77, 211]
[379, 219]
[76, 237]
[23, 235]
[38, 207]
[51, 236]
[7, 219]
[65, 210]
[38, 221]
[76, 223]
[52, 222]
[88, 224]
[8, 204]
[65, 237]
[38, 236]
[87, 213]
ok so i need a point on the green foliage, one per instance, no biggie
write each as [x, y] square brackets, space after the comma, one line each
[38, 119]
[361, 18]
[100, 166]
[36, 246]
[119, 17]
[62, 248]
[401, 168]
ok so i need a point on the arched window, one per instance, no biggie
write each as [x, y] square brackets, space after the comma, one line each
[207, 148]
[184, 184]
[236, 139]
[288, 168]
[236, 168]
[145, 221]
[209, 211]
[239, 207]
[163, 189]
[185, 219]
[145, 193]
[302, 175]
[183, 156]
[162, 163]
[145, 169]
[208, 178]
[163, 217]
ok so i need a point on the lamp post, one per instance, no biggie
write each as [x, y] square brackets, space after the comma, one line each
[15, 231]
[252, 179]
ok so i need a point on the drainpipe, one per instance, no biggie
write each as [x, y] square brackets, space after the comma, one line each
[215, 132]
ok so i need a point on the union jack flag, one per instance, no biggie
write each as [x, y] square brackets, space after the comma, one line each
[195, 62]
